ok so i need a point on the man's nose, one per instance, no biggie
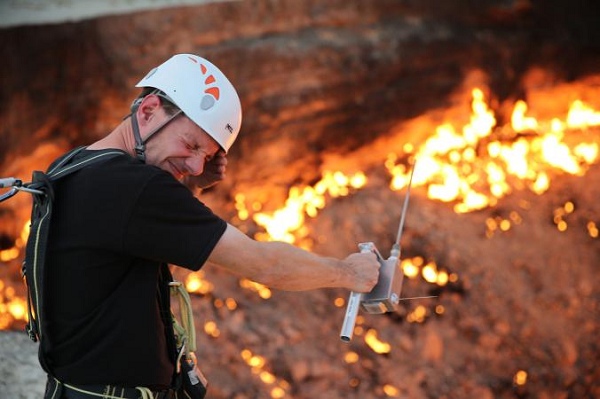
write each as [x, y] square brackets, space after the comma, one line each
[195, 165]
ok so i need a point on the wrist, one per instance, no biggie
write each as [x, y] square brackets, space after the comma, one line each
[343, 275]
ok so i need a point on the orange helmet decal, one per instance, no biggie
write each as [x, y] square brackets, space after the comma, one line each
[214, 91]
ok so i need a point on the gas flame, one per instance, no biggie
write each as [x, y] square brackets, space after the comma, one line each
[285, 224]
[211, 329]
[520, 377]
[561, 213]
[263, 291]
[430, 273]
[454, 166]
[391, 390]
[351, 357]
[257, 363]
[195, 283]
[592, 229]
[12, 253]
[375, 344]
[12, 307]
[472, 167]
[418, 315]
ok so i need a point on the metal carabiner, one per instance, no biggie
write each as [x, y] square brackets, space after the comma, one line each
[9, 194]
[12, 183]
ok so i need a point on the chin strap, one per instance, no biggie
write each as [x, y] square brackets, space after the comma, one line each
[140, 145]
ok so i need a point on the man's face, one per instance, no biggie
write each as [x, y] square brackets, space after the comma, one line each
[181, 147]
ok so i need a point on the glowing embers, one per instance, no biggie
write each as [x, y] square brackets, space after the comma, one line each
[592, 229]
[12, 308]
[257, 363]
[195, 283]
[12, 253]
[375, 344]
[211, 329]
[391, 391]
[229, 303]
[263, 291]
[412, 267]
[561, 213]
[482, 163]
[418, 315]
[520, 377]
[287, 223]
[351, 357]
[500, 224]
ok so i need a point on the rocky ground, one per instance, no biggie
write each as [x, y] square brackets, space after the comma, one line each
[21, 375]
[526, 300]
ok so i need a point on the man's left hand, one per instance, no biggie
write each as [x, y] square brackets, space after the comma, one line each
[214, 171]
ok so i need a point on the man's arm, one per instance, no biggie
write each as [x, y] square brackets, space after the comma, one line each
[283, 266]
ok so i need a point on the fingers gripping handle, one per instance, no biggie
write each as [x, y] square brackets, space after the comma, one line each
[354, 302]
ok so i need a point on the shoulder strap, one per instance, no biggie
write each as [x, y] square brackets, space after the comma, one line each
[63, 168]
[35, 253]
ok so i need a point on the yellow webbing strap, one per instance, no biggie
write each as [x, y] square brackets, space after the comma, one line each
[185, 331]
[103, 396]
[146, 393]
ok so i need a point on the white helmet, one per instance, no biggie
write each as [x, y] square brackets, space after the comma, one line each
[202, 92]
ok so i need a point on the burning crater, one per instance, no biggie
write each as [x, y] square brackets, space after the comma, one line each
[503, 221]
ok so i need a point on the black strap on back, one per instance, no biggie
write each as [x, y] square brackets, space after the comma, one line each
[35, 255]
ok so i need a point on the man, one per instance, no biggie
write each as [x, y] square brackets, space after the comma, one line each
[116, 222]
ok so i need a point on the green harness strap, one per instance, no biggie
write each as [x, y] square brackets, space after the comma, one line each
[185, 332]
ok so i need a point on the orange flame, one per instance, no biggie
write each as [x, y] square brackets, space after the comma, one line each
[452, 171]
[12, 308]
[285, 224]
[9, 254]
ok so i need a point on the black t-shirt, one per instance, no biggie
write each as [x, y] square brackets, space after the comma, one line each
[113, 224]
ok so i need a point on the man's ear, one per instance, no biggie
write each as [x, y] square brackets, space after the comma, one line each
[148, 108]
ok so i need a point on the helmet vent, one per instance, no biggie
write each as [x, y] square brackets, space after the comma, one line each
[207, 102]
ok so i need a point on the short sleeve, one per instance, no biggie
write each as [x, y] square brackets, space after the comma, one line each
[168, 224]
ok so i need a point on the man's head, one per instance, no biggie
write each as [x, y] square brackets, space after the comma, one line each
[182, 148]
[194, 96]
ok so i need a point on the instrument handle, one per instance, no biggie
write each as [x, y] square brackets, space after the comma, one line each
[354, 300]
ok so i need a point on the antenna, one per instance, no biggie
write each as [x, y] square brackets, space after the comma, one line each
[405, 207]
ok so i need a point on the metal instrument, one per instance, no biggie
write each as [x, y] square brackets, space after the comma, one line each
[385, 296]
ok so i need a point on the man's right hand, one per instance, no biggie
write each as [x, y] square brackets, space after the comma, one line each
[363, 269]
